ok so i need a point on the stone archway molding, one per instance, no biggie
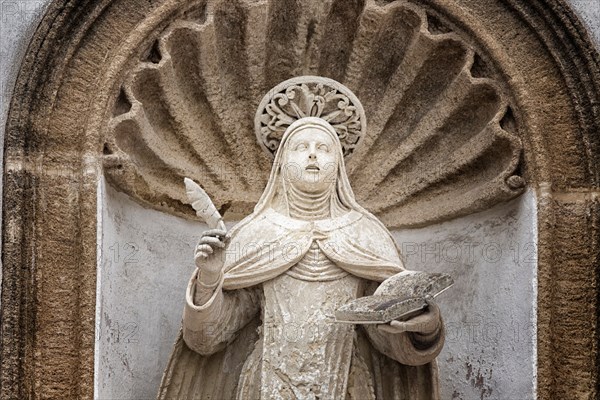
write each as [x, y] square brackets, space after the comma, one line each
[55, 154]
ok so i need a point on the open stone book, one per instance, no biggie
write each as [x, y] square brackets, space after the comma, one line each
[399, 297]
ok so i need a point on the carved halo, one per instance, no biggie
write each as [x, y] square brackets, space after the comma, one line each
[310, 96]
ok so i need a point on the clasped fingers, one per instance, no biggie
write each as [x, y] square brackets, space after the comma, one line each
[211, 241]
[215, 233]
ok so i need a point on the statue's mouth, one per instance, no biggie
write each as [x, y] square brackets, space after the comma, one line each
[313, 167]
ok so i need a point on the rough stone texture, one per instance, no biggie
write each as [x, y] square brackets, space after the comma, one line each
[52, 157]
[438, 116]
[569, 255]
[18, 21]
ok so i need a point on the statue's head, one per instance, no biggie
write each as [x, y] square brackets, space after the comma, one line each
[309, 125]
[311, 153]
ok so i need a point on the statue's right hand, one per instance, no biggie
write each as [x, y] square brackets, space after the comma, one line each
[209, 254]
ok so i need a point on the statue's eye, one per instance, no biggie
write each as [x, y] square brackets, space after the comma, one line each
[324, 147]
[301, 147]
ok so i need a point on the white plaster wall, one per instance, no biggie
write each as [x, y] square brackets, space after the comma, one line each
[145, 263]
[138, 322]
[589, 12]
[489, 313]
[18, 20]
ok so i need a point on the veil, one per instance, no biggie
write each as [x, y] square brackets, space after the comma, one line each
[343, 191]
[353, 238]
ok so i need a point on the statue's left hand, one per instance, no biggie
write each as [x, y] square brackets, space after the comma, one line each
[425, 324]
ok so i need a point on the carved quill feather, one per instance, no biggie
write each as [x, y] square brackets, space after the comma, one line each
[203, 205]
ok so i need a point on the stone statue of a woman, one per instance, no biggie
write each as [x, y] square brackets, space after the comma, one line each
[258, 321]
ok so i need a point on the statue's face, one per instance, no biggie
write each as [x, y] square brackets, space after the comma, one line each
[310, 160]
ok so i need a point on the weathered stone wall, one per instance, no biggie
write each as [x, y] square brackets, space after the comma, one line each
[18, 21]
[574, 214]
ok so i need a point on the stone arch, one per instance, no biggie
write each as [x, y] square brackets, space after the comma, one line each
[54, 151]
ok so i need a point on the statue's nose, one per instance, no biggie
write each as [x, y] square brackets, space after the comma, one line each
[312, 156]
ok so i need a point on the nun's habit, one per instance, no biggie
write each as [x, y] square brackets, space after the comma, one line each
[267, 331]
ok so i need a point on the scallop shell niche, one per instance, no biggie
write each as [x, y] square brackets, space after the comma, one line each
[441, 135]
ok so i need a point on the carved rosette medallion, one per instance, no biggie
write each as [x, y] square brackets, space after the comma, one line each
[436, 137]
[310, 96]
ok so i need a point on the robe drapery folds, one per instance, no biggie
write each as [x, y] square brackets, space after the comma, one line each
[264, 246]
[353, 242]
